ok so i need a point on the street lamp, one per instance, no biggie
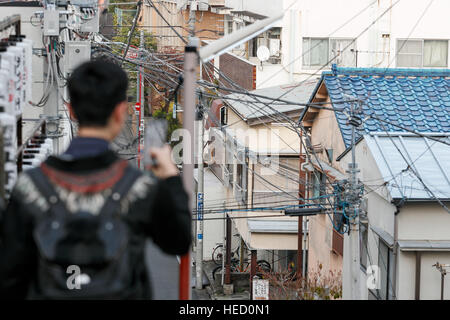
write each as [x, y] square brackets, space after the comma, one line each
[236, 38]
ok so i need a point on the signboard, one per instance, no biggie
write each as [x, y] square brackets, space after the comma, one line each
[260, 289]
[132, 53]
[200, 214]
[137, 109]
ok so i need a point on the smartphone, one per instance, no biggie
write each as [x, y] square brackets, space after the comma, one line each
[155, 137]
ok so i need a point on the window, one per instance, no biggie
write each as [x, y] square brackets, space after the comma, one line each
[319, 180]
[230, 27]
[338, 243]
[223, 116]
[344, 51]
[315, 52]
[422, 53]
[435, 53]
[363, 232]
[318, 51]
[385, 261]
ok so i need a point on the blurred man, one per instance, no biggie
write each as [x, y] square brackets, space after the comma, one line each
[76, 226]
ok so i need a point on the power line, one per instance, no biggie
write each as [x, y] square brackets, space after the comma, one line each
[351, 43]
[339, 28]
[132, 29]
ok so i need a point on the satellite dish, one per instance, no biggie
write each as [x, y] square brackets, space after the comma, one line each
[263, 53]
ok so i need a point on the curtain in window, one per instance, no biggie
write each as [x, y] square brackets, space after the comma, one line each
[315, 52]
[435, 53]
[306, 51]
[341, 49]
[409, 53]
[319, 52]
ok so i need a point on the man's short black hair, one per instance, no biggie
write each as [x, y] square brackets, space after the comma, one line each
[95, 89]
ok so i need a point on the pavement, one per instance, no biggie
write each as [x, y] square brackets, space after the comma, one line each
[215, 289]
[164, 271]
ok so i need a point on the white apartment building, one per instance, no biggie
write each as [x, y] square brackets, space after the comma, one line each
[314, 34]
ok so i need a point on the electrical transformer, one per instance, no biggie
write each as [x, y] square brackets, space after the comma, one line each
[76, 52]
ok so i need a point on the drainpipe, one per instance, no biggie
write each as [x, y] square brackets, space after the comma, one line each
[396, 249]
[417, 283]
[395, 253]
[292, 47]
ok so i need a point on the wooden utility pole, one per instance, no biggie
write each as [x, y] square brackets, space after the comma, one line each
[253, 265]
[228, 253]
[301, 195]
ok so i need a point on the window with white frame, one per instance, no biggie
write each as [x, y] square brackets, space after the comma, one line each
[422, 53]
[317, 52]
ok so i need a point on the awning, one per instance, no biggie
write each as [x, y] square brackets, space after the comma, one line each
[424, 245]
[329, 170]
[272, 226]
[260, 232]
[386, 237]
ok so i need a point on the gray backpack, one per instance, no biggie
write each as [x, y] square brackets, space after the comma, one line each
[82, 255]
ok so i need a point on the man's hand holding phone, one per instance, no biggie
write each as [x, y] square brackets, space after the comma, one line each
[158, 155]
[163, 166]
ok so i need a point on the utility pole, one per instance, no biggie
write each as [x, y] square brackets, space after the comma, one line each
[141, 99]
[190, 81]
[302, 195]
[191, 63]
[353, 198]
[200, 196]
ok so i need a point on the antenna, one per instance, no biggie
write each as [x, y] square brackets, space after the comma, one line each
[263, 53]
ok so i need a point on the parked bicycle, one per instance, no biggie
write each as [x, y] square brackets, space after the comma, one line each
[218, 253]
[236, 264]
[262, 266]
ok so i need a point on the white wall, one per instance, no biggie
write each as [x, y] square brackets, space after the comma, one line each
[380, 213]
[423, 222]
[268, 8]
[348, 19]
[430, 277]
[325, 18]
[416, 221]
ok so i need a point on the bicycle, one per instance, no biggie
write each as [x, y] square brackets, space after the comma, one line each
[218, 253]
[262, 266]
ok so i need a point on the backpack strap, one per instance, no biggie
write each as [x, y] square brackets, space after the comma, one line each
[120, 189]
[57, 207]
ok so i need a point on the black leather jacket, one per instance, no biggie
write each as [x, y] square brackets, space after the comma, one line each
[153, 208]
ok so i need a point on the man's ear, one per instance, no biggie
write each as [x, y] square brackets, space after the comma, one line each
[120, 111]
[71, 113]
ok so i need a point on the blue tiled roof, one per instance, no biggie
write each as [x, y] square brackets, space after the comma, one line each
[416, 99]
